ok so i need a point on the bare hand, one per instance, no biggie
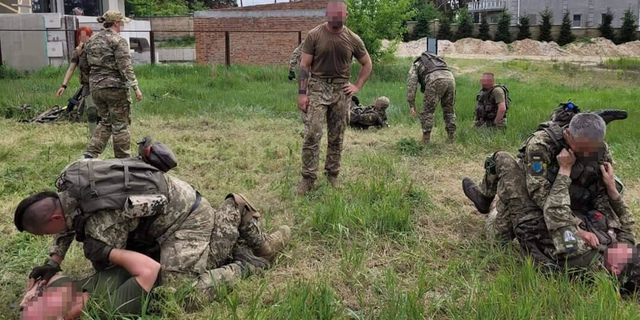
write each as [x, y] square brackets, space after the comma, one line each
[60, 91]
[589, 238]
[607, 175]
[138, 94]
[350, 89]
[303, 102]
[566, 159]
[413, 112]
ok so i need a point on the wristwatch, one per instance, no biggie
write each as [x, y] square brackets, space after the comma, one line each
[302, 91]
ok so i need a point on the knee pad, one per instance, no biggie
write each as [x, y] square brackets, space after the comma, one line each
[490, 164]
[92, 114]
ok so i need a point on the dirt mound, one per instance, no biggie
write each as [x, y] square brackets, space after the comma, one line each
[630, 49]
[446, 47]
[411, 48]
[528, 47]
[595, 47]
[477, 46]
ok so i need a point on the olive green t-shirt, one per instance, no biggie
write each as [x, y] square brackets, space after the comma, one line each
[115, 289]
[333, 53]
[497, 95]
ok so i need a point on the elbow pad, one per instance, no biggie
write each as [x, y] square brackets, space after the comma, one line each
[98, 252]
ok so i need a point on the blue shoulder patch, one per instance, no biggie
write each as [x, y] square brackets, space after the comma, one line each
[537, 166]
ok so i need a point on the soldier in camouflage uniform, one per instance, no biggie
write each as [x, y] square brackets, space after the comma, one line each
[493, 104]
[561, 210]
[324, 91]
[192, 236]
[363, 117]
[107, 57]
[438, 85]
[294, 62]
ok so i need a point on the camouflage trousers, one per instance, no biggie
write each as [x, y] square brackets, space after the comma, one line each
[207, 238]
[91, 111]
[441, 91]
[326, 102]
[490, 124]
[114, 109]
[517, 216]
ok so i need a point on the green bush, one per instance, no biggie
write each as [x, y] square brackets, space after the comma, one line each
[566, 36]
[484, 29]
[523, 28]
[374, 20]
[186, 41]
[503, 33]
[545, 28]
[444, 33]
[7, 72]
[606, 30]
[465, 25]
[629, 27]
[150, 8]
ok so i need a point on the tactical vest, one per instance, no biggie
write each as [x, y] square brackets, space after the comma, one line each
[430, 63]
[107, 184]
[486, 109]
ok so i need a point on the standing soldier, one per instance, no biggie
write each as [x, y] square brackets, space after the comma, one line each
[294, 62]
[111, 74]
[325, 70]
[439, 86]
[493, 103]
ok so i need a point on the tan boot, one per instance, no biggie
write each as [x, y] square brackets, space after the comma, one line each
[274, 243]
[451, 136]
[333, 180]
[304, 186]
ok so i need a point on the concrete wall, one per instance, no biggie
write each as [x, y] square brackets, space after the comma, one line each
[176, 54]
[250, 39]
[24, 51]
[166, 28]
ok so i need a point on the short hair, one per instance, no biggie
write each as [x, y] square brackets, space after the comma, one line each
[32, 219]
[489, 74]
[587, 125]
[384, 100]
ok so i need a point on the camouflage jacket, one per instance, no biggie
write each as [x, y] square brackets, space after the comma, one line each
[113, 227]
[294, 62]
[413, 80]
[109, 61]
[554, 198]
[364, 117]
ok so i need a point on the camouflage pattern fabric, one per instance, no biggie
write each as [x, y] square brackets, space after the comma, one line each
[487, 109]
[490, 124]
[294, 62]
[326, 102]
[107, 55]
[364, 117]
[440, 87]
[114, 109]
[83, 68]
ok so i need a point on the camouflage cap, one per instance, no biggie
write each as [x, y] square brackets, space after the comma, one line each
[113, 16]
[383, 101]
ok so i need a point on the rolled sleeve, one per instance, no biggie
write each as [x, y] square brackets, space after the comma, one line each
[61, 244]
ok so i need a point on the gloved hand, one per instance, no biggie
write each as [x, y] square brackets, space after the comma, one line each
[292, 75]
[44, 272]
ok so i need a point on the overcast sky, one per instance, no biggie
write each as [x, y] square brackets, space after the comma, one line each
[254, 2]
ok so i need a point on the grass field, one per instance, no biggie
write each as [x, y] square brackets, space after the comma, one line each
[398, 241]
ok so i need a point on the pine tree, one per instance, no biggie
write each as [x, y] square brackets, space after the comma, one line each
[545, 28]
[484, 29]
[465, 26]
[523, 28]
[566, 36]
[605, 27]
[504, 23]
[444, 33]
[629, 27]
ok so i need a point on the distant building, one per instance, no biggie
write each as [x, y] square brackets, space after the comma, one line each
[38, 33]
[583, 13]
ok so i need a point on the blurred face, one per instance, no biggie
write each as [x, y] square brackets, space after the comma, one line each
[617, 257]
[487, 81]
[52, 304]
[336, 15]
[380, 105]
[56, 223]
[585, 148]
[84, 37]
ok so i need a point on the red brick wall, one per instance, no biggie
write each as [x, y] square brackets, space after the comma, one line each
[249, 39]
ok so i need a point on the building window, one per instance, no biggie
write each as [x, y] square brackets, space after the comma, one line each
[533, 19]
[40, 6]
[577, 21]
[476, 17]
[90, 7]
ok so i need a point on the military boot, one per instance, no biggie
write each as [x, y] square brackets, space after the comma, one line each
[250, 263]
[212, 280]
[471, 190]
[426, 137]
[451, 136]
[333, 180]
[274, 243]
[304, 186]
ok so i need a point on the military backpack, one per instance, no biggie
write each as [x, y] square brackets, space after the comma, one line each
[430, 63]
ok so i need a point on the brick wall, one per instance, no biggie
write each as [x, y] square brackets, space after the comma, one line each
[258, 35]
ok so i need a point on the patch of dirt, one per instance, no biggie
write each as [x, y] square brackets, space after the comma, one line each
[596, 47]
[528, 47]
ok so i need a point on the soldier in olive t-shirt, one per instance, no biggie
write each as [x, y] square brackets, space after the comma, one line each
[491, 110]
[325, 91]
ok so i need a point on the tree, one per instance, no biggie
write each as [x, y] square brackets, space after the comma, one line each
[217, 3]
[444, 33]
[545, 28]
[465, 25]
[523, 28]
[566, 36]
[484, 29]
[149, 8]
[629, 27]
[606, 30]
[426, 12]
[503, 33]
[374, 20]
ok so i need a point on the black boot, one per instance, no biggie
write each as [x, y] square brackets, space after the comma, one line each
[482, 203]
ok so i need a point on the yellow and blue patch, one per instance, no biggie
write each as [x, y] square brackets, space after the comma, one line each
[537, 165]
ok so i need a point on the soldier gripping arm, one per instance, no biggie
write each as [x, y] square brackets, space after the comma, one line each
[625, 231]
[412, 87]
[123, 60]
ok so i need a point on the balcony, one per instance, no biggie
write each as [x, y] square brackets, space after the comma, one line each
[487, 5]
